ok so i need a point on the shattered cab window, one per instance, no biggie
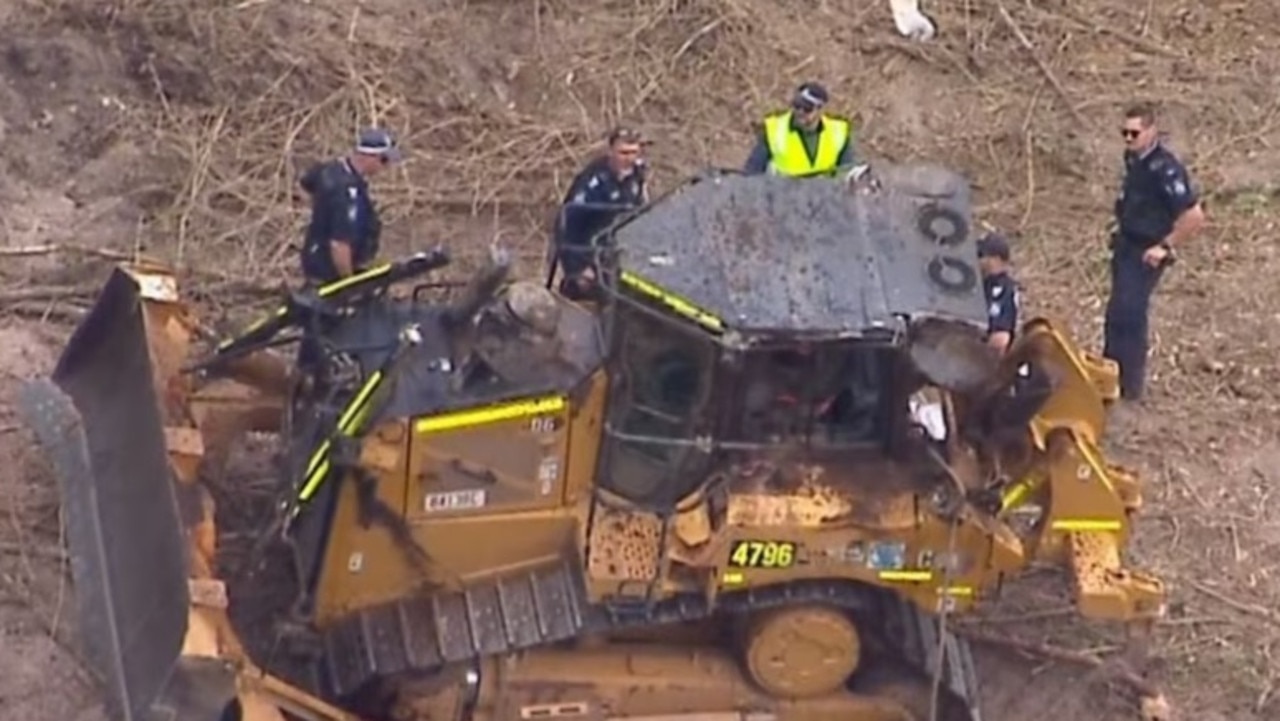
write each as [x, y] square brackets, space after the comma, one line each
[817, 394]
[658, 407]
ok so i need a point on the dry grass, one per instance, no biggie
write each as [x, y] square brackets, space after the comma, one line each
[497, 104]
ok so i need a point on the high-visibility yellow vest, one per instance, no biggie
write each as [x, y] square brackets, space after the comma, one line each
[786, 148]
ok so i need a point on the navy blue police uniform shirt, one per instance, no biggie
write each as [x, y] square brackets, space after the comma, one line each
[1001, 291]
[341, 209]
[1156, 190]
[594, 184]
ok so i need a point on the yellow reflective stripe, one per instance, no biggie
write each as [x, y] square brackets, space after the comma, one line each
[956, 591]
[317, 459]
[491, 414]
[324, 291]
[1085, 525]
[348, 418]
[318, 465]
[674, 302]
[1016, 494]
[906, 575]
[254, 326]
[344, 283]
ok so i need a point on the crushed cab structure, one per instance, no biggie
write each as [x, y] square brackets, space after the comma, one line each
[751, 480]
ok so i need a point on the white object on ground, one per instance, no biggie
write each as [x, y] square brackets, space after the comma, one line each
[910, 21]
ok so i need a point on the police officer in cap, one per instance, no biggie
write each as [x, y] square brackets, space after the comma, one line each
[342, 237]
[1156, 212]
[1000, 289]
[803, 140]
[1007, 415]
[609, 185]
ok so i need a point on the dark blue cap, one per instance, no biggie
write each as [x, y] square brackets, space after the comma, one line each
[993, 245]
[810, 96]
[376, 141]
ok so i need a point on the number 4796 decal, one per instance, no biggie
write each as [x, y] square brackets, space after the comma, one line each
[762, 554]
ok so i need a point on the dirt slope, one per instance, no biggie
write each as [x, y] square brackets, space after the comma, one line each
[177, 126]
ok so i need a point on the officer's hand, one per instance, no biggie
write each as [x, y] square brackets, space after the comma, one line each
[1155, 255]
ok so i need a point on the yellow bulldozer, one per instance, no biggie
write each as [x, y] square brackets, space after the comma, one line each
[753, 479]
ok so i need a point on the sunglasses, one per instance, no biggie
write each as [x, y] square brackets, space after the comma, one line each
[1129, 134]
[801, 106]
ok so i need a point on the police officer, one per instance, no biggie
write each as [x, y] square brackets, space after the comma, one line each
[342, 237]
[803, 140]
[1156, 212]
[1031, 386]
[1000, 289]
[610, 184]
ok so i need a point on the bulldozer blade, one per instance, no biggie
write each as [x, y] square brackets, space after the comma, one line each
[101, 424]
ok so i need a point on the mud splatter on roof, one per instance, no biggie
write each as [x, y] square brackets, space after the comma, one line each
[769, 254]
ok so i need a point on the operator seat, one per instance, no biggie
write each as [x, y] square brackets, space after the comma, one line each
[855, 411]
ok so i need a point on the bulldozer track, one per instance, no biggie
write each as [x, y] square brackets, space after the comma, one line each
[548, 605]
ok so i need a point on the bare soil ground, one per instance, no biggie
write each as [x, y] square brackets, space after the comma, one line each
[177, 126]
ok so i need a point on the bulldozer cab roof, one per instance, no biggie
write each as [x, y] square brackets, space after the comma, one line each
[783, 257]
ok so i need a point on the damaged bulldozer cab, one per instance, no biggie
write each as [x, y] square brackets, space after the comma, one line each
[808, 360]
[755, 473]
[756, 315]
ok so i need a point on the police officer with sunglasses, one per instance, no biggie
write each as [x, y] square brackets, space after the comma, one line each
[342, 237]
[1156, 212]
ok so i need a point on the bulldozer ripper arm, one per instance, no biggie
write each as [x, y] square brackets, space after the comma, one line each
[1085, 505]
[124, 429]
[294, 311]
[362, 406]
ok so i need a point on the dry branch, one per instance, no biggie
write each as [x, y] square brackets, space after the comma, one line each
[33, 549]
[1244, 607]
[27, 251]
[1137, 42]
[1048, 73]
[47, 293]
[45, 311]
[1143, 686]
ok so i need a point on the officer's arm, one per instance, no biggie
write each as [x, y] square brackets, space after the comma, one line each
[1000, 339]
[758, 161]
[1184, 202]
[847, 158]
[643, 170]
[575, 212]
[343, 258]
[343, 217]
[576, 224]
